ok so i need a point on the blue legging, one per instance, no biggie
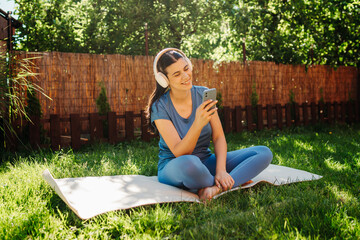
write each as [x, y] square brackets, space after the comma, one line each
[188, 171]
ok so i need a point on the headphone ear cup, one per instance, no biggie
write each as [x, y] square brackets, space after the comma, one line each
[162, 79]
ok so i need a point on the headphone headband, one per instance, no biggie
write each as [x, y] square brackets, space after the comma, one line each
[159, 76]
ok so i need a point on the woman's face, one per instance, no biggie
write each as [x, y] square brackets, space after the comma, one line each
[179, 75]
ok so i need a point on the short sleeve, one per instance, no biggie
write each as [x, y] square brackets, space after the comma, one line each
[158, 111]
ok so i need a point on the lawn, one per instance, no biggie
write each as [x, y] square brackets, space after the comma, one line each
[323, 209]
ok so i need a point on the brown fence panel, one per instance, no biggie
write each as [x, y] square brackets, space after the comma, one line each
[75, 131]
[55, 131]
[34, 131]
[227, 119]
[238, 119]
[249, 118]
[72, 81]
[112, 128]
[129, 125]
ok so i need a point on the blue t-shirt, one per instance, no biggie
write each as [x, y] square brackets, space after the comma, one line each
[164, 109]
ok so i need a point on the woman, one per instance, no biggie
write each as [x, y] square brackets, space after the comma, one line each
[186, 126]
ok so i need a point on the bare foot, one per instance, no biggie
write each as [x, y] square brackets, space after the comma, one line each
[208, 193]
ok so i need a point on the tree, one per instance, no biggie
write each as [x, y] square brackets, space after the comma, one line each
[307, 32]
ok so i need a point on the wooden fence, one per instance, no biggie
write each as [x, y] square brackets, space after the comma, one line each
[235, 119]
[72, 81]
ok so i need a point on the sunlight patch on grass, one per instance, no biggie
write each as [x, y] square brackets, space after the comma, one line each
[343, 195]
[335, 165]
[303, 145]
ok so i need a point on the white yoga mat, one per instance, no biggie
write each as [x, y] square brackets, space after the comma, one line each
[91, 196]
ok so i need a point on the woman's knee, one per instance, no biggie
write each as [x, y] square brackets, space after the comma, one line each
[266, 154]
[191, 165]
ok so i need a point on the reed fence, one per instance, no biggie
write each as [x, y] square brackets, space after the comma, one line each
[236, 119]
[72, 81]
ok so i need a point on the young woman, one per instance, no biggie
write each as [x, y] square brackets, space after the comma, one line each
[186, 126]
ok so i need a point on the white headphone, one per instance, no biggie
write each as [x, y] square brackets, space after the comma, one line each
[159, 76]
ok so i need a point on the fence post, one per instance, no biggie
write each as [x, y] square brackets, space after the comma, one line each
[238, 119]
[357, 111]
[249, 117]
[94, 124]
[297, 114]
[129, 125]
[350, 107]
[336, 112]
[55, 131]
[305, 113]
[75, 130]
[34, 131]
[313, 113]
[329, 112]
[269, 116]
[112, 130]
[227, 127]
[343, 111]
[260, 122]
[145, 136]
[288, 114]
[279, 119]
[321, 111]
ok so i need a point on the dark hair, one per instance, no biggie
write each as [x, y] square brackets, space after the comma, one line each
[165, 60]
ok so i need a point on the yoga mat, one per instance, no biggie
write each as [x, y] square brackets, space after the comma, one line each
[91, 196]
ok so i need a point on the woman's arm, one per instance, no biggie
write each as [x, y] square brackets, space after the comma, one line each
[186, 145]
[222, 178]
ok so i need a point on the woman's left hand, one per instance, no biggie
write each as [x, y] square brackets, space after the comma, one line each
[224, 180]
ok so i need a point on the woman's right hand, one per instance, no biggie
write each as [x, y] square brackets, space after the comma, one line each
[204, 114]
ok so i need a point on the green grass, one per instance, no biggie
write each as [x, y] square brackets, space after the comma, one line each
[324, 209]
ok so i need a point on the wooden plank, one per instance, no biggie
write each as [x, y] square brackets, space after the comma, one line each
[112, 128]
[227, 118]
[279, 119]
[336, 112]
[305, 114]
[260, 120]
[34, 131]
[129, 125]
[288, 114]
[145, 135]
[297, 114]
[321, 112]
[330, 112]
[343, 111]
[94, 123]
[75, 131]
[238, 119]
[249, 119]
[313, 113]
[269, 116]
[55, 131]
[357, 110]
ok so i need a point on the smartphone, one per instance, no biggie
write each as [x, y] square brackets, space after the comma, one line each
[209, 94]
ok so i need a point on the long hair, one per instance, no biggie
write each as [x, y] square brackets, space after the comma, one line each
[165, 60]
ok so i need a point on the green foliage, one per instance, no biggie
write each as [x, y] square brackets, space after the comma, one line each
[289, 32]
[298, 32]
[328, 208]
[292, 103]
[103, 106]
[102, 102]
[15, 80]
[254, 99]
[33, 107]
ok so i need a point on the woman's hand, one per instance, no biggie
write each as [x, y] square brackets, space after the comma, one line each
[224, 180]
[204, 114]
